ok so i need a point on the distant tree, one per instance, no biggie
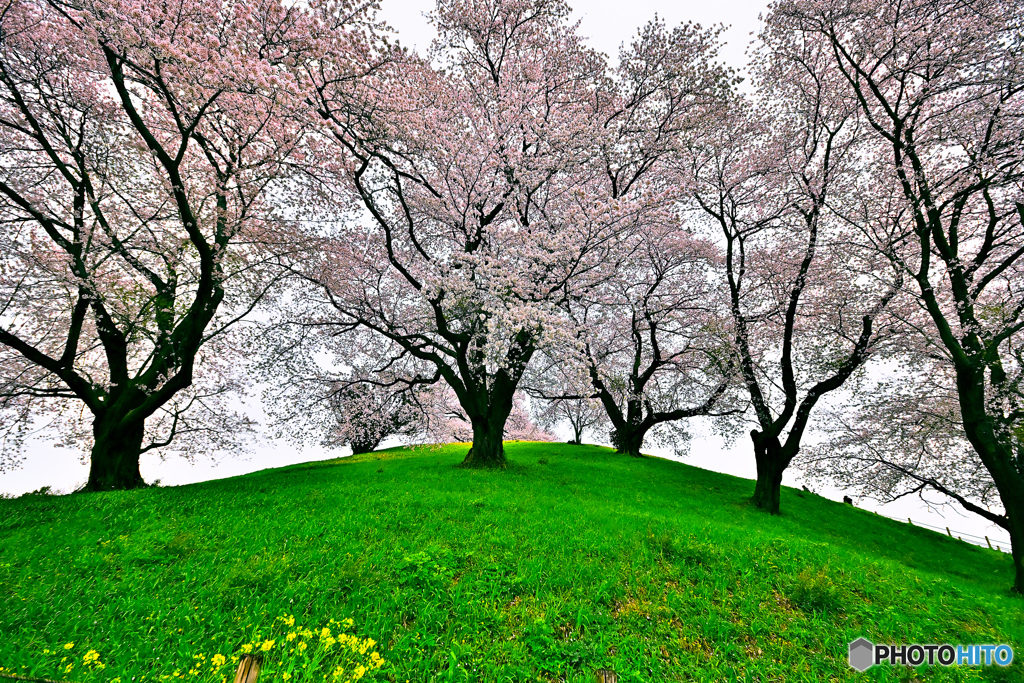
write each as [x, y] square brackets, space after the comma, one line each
[140, 146]
[490, 202]
[521, 426]
[351, 387]
[558, 385]
[366, 413]
[940, 86]
[582, 415]
[655, 344]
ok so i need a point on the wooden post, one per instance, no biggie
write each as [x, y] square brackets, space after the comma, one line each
[910, 521]
[989, 543]
[248, 668]
[948, 532]
[29, 679]
[607, 676]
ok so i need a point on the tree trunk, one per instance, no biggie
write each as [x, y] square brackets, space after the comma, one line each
[488, 448]
[365, 443]
[997, 456]
[770, 466]
[629, 440]
[115, 456]
[577, 435]
[1017, 547]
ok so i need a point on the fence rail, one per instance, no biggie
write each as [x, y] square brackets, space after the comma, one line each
[1001, 545]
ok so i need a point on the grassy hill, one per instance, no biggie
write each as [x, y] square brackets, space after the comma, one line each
[573, 559]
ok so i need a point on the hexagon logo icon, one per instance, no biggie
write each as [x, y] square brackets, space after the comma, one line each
[862, 654]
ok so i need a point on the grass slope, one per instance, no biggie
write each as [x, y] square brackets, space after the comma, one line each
[573, 558]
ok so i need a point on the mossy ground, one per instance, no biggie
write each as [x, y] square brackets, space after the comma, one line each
[571, 559]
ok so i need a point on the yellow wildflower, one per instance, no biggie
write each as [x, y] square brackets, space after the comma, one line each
[329, 641]
[360, 670]
[267, 644]
[247, 648]
[69, 646]
[290, 637]
[218, 660]
[286, 676]
[90, 656]
[302, 646]
[325, 633]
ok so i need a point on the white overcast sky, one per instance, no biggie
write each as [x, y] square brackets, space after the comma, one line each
[607, 25]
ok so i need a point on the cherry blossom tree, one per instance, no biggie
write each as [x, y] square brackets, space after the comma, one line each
[366, 413]
[142, 148]
[550, 376]
[521, 426]
[346, 387]
[650, 351]
[446, 422]
[805, 297]
[582, 415]
[902, 435]
[940, 87]
[501, 180]
[655, 348]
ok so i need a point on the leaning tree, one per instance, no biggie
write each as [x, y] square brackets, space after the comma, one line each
[141, 146]
[902, 435]
[487, 200]
[805, 296]
[940, 85]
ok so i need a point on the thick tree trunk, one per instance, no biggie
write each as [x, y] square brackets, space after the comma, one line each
[488, 448]
[629, 440]
[997, 456]
[629, 433]
[1017, 547]
[115, 456]
[770, 466]
[365, 443]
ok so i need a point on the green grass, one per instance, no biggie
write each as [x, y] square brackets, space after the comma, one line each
[572, 559]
